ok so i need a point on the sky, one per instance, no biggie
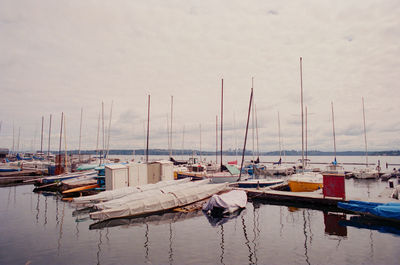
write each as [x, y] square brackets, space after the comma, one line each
[69, 55]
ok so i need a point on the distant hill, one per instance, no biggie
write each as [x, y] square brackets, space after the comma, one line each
[186, 152]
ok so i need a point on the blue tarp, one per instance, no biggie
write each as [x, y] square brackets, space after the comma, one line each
[388, 210]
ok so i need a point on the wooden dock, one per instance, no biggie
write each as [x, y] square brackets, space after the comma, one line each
[18, 177]
[307, 199]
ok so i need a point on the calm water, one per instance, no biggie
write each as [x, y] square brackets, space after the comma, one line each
[45, 230]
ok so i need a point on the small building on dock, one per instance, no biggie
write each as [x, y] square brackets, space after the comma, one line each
[4, 153]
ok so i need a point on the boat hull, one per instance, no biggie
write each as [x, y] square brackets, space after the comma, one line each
[304, 186]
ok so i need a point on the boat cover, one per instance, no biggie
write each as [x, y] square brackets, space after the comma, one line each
[389, 210]
[230, 201]
[233, 169]
[148, 193]
[161, 202]
[119, 193]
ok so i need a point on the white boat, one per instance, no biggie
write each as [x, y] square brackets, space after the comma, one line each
[119, 193]
[226, 203]
[367, 172]
[161, 202]
[149, 193]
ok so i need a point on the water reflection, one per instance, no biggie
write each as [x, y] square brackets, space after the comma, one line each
[362, 222]
[333, 224]
[305, 238]
[220, 220]
[166, 218]
[222, 245]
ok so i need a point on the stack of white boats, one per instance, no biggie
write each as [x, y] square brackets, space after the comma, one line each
[149, 198]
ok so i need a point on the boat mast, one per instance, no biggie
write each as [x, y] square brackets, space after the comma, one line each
[365, 135]
[183, 140]
[65, 145]
[103, 132]
[13, 145]
[279, 137]
[333, 130]
[98, 137]
[148, 130]
[200, 142]
[245, 137]
[48, 148]
[41, 138]
[170, 131]
[306, 131]
[222, 115]
[258, 151]
[216, 139]
[252, 116]
[302, 116]
[109, 129]
[80, 136]
[234, 131]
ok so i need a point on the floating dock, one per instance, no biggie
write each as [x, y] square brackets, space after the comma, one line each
[315, 198]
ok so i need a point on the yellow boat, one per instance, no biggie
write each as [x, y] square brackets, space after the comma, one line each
[305, 182]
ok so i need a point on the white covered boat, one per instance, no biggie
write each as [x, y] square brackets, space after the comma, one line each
[149, 193]
[226, 203]
[119, 193]
[161, 202]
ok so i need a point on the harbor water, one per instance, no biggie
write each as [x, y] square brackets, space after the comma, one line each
[42, 229]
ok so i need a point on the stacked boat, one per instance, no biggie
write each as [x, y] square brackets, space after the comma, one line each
[149, 199]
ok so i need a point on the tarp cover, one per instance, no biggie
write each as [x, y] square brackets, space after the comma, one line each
[148, 193]
[389, 210]
[119, 193]
[230, 201]
[165, 201]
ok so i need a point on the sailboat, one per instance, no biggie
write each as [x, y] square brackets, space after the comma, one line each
[304, 180]
[367, 172]
[277, 168]
[334, 168]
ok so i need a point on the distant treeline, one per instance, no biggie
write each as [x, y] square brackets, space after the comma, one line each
[239, 152]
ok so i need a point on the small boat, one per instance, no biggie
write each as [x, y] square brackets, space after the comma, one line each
[305, 182]
[387, 211]
[226, 203]
[230, 175]
[259, 183]
[366, 173]
[160, 203]
[82, 188]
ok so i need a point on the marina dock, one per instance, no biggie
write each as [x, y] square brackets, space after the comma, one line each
[7, 178]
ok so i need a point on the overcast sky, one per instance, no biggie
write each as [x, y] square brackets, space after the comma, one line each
[61, 56]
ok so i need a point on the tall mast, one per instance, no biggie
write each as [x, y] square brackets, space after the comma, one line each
[183, 140]
[41, 138]
[234, 131]
[258, 151]
[222, 115]
[98, 137]
[200, 142]
[306, 116]
[302, 116]
[148, 130]
[103, 131]
[80, 136]
[48, 148]
[65, 145]
[19, 135]
[245, 137]
[61, 128]
[13, 145]
[252, 116]
[365, 135]
[109, 129]
[216, 139]
[170, 133]
[279, 137]
[333, 131]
